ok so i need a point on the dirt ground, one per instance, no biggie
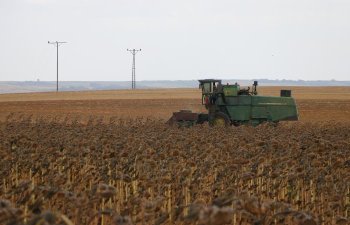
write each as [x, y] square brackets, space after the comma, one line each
[314, 103]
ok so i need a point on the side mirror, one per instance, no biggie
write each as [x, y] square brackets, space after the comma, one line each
[254, 92]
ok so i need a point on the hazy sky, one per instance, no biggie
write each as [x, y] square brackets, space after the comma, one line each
[180, 39]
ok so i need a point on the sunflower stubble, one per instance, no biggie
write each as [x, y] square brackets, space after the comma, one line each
[58, 170]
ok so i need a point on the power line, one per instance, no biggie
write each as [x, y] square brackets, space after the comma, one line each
[133, 72]
[57, 43]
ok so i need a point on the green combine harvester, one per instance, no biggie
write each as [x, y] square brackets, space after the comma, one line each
[233, 105]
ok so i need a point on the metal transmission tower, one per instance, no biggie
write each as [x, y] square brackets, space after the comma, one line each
[57, 43]
[133, 74]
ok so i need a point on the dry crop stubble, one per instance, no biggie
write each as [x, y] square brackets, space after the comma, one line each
[85, 161]
[314, 103]
[140, 171]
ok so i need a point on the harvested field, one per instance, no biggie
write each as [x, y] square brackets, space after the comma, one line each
[314, 103]
[90, 161]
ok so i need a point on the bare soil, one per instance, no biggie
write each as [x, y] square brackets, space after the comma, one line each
[314, 103]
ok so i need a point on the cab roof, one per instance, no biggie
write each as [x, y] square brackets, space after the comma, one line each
[209, 80]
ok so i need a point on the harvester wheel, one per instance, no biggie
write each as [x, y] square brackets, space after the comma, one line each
[220, 120]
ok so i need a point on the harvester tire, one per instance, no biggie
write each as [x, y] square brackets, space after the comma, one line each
[220, 120]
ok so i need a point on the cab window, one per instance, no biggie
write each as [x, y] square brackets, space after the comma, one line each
[206, 87]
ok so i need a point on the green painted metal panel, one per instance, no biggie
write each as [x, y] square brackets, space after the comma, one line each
[239, 112]
[282, 112]
[245, 100]
[238, 100]
[231, 90]
[260, 112]
[228, 100]
[272, 101]
[245, 107]
[275, 108]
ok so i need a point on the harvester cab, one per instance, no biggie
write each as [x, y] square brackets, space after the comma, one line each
[210, 88]
[231, 104]
[213, 89]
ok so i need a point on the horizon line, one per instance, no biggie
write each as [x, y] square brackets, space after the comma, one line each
[261, 79]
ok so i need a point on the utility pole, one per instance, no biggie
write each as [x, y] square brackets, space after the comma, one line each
[133, 73]
[57, 43]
